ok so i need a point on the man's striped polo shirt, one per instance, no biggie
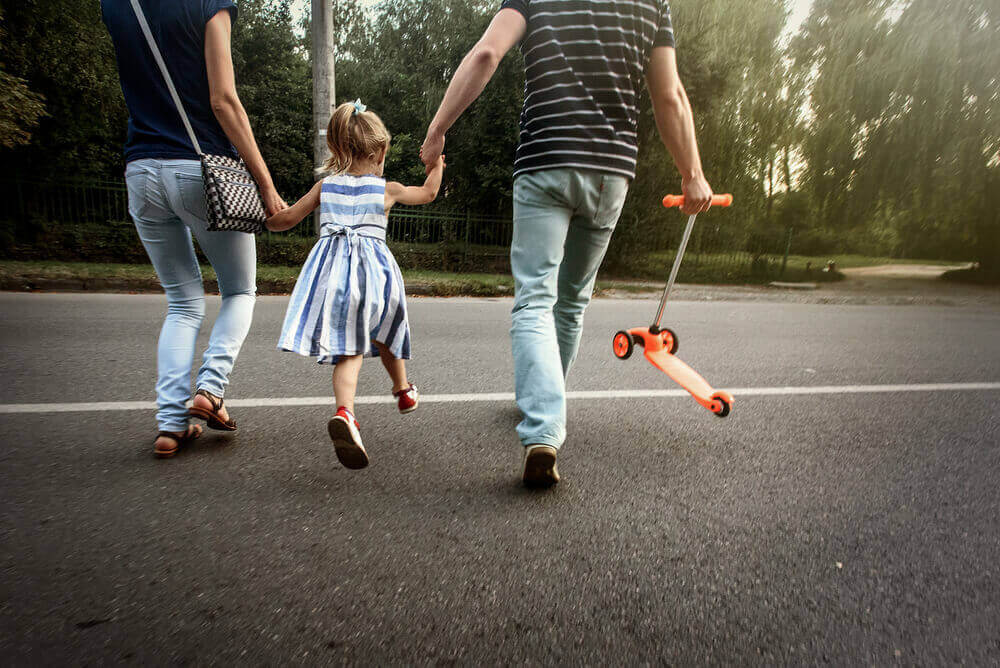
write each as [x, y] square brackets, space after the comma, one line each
[584, 63]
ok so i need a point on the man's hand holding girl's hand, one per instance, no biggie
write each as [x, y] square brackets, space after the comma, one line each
[432, 147]
[439, 164]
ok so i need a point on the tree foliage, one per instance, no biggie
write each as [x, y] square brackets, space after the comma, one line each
[274, 81]
[872, 128]
[20, 108]
[901, 149]
[61, 51]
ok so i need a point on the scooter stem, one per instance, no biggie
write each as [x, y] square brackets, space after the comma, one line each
[673, 272]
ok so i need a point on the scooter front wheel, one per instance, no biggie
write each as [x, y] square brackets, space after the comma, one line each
[622, 344]
[726, 404]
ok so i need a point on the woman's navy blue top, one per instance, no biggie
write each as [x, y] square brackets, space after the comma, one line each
[155, 129]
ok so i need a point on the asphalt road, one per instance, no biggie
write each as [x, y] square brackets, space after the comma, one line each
[846, 528]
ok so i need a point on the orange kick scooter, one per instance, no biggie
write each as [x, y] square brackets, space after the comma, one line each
[660, 344]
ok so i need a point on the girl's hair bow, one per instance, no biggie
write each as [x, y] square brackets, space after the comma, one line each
[358, 107]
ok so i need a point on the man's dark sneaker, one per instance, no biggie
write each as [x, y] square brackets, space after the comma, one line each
[540, 466]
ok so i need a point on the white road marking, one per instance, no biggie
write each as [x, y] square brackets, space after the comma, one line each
[276, 402]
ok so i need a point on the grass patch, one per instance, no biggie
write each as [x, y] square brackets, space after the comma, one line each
[653, 267]
[52, 269]
[447, 284]
[436, 282]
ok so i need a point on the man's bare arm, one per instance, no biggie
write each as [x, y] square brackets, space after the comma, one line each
[477, 68]
[675, 122]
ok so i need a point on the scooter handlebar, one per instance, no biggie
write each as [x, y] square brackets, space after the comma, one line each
[671, 201]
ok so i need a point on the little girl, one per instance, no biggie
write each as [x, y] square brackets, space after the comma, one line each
[349, 299]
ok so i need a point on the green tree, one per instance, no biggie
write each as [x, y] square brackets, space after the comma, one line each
[20, 108]
[729, 57]
[274, 81]
[933, 155]
[399, 60]
[901, 149]
[61, 51]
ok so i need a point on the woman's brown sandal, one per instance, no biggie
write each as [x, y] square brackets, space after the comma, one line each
[212, 417]
[194, 431]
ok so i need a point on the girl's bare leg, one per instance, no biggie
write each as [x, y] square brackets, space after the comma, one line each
[395, 367]
[345, 381]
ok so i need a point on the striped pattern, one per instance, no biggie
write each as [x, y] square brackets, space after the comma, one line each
[350, 292]
[584, 64]
[357, 202]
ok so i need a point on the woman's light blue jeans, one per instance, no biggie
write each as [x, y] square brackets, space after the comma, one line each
[563, 220]
[166, 199]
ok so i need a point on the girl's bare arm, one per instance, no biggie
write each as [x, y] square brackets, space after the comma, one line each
[397, 193]
[288, 218]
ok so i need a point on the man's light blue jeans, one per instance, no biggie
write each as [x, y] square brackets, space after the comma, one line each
[166, 199]
[563, 220]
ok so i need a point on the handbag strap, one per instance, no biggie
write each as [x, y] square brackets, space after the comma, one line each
[166, 74]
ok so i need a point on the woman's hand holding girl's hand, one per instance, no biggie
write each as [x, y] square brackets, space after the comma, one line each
[277, 220]
[272, 201]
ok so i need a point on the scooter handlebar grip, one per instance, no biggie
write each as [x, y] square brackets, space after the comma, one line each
[671, 201]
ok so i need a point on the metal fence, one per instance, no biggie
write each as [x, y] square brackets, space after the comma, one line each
[103, 201]
[452, 239]
[66, 201]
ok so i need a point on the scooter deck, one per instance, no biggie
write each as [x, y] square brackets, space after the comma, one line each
[689, 379]
[656, 349]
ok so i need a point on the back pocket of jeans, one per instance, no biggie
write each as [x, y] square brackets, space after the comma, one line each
[192, 191]
[135, 184]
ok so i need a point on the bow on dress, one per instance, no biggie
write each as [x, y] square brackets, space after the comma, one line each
[349, 233]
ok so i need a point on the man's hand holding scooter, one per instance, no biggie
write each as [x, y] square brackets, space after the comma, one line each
[697, 195]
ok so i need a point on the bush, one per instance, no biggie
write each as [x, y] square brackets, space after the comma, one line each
[36, 239]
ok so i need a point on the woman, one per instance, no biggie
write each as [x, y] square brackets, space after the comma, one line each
[166, 195]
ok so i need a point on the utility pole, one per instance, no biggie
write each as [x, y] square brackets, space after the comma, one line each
[323, 82]
[323, 77]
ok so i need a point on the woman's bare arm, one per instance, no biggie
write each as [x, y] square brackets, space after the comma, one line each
[229, 110]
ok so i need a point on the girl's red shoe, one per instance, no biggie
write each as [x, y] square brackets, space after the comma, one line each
[343, 430]
[407, 399]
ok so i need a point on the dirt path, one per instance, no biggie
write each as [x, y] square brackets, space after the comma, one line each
[900, 271]
[898, 284]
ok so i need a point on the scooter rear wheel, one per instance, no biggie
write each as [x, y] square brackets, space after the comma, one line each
[622, 344]
[670, 337]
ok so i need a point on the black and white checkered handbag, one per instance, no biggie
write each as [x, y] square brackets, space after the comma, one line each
[234, 201]
[232, 196]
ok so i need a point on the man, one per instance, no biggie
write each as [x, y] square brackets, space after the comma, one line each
[584, 61]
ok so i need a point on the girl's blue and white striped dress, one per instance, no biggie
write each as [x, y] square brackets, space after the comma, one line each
[350, 292]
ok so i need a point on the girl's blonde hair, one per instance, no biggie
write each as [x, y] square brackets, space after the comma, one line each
[354, 136]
